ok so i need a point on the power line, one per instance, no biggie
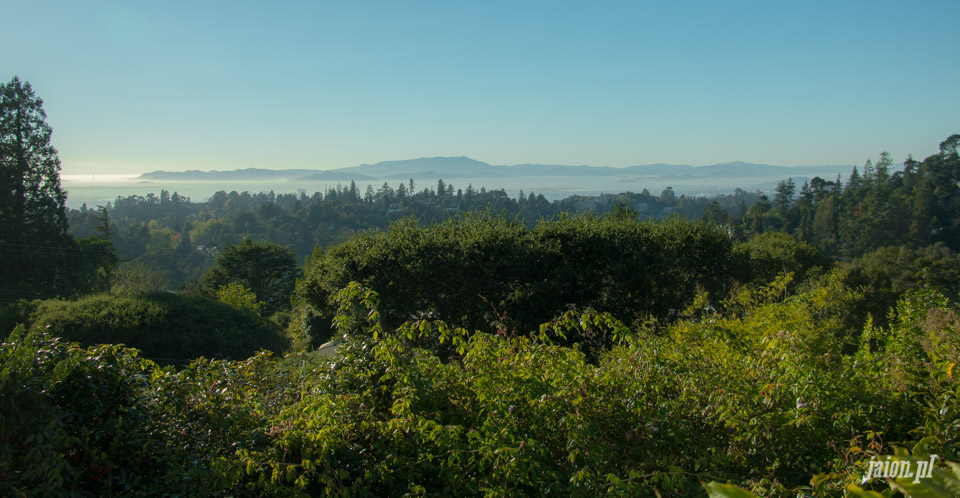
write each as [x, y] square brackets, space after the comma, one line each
[49, 248]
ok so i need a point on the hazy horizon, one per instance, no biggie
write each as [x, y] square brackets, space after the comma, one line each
[137, 87]
[127, 174]
[94, 190]
[103, 190]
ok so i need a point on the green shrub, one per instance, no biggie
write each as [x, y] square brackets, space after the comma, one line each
[238, 296]
[15, 313]
[101, 421]
[886, 273]
[170, 328]
[478, 270]
[69, 418]
[765, 400]
[765, 256]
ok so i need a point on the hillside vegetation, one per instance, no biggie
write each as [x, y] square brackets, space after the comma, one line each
[169, 328]
[762, 398]
[779, 350]
[474, 270]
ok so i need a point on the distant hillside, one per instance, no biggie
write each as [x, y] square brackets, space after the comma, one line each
[738, 170]
[452, 168]
[445, 167]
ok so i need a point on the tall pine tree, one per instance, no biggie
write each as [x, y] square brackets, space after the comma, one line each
[32, 205]
[37, 256]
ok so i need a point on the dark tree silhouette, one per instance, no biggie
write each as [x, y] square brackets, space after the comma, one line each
[33, 222]
[269, 270]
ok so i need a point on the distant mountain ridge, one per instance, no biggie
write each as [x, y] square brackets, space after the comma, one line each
[451, 168]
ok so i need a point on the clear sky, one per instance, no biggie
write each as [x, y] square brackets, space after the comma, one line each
[133, 86]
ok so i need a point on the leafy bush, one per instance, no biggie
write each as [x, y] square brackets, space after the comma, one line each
[238, 296]
[134, 279]
[765, 400]
[102, 421]
[170, 328]
[267, 270]
[69, 418]
[765, 256]
[888, 272]
[479, 269]
[15, 313]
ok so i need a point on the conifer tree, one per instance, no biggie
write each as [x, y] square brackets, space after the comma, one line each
[784, 196]
[268, 270]
[32, 204]
[103, 223]
[33, 221]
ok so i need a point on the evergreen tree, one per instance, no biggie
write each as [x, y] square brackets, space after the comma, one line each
[354, 192]
[756, 215]
[805, 213]
[33, 221]
[103, 223]
[868, 173]
[826, 225]
[32, 205]
[714, 213]
[668, 197]
[385, 195]
[882, 169]
[784, 196]
[268, 270]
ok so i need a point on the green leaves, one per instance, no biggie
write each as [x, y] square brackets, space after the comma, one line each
[484, 272]
[235, 294]
[763, 399]
[33, 225]
[944, 482]
[68, 416]
[719, 490]
[173, 328]
[268, 270]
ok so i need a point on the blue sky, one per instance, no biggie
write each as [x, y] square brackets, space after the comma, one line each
[135, 86]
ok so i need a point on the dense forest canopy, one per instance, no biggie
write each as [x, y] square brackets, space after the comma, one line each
[149, 231]
[881, 205]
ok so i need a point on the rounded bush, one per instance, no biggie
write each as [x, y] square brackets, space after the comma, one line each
[169, 328]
